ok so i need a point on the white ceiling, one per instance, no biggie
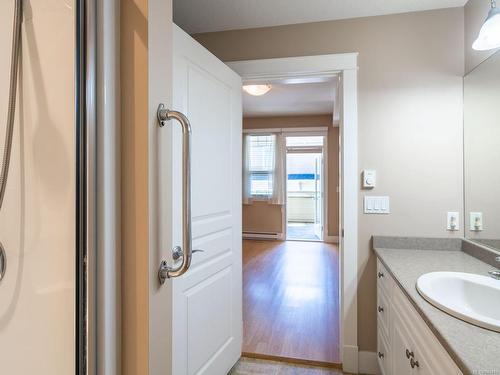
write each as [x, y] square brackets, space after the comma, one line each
[292, 100]
[196, 16]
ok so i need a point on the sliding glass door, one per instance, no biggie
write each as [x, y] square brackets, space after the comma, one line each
[304, 188]
[318, 195]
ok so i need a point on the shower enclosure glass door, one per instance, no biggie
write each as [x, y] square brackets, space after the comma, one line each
[38, 218]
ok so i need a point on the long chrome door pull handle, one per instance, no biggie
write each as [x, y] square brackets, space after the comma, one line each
[163, 114]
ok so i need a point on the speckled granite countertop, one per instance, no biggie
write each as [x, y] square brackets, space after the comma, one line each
[475, 350]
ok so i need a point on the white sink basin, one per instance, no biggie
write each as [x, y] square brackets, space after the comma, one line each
[469, 297]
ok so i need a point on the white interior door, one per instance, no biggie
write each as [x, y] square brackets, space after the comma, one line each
[207, 300]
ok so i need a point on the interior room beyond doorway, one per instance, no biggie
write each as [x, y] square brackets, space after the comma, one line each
[290, 213]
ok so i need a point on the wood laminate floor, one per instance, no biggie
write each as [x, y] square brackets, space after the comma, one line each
[291, 300]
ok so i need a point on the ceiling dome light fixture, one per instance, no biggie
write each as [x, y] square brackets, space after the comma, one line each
[489, 35]
[257, 90]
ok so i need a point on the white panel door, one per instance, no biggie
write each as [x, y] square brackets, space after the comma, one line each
[401, 344]
[207, 300]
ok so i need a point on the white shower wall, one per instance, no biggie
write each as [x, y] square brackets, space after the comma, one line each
[37, 222]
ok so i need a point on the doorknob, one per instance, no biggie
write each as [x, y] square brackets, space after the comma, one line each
[185, 252]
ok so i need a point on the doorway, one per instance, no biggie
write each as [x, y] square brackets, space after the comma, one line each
[305, 188]
[345, 111]
[291, 287]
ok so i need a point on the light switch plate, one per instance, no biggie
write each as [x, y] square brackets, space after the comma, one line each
[476, 221]
[376, 205]
[452, 222]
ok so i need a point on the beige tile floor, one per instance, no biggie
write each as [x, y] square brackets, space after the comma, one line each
[249, 366]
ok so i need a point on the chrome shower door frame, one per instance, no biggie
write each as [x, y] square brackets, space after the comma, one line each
[86, 167]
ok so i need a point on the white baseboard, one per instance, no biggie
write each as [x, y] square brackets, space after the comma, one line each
[350, 359]
[332, 239]
[368, 363]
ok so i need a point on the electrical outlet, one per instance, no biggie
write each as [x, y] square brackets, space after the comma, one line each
[476, 221]
[452, 223]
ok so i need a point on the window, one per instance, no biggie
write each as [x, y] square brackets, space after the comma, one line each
[261, 164]
[263, 168]
[309, 141]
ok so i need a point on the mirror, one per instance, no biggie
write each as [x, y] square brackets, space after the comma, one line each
[482, 153]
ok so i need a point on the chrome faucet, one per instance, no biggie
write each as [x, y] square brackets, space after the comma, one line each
[495, 273]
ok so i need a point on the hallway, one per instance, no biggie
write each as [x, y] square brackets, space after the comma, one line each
[290, 300]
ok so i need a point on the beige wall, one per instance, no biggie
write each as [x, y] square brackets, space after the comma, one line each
[261, 216]
[410, 117]
[475, 13]
[134, 185]
[37, 220]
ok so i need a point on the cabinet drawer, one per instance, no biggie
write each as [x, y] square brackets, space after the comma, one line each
[384, 279]
[383, 312]
[383, 355]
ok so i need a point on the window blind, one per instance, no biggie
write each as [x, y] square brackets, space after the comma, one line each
[261, 164]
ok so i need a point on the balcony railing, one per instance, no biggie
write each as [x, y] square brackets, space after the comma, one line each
[301, 206]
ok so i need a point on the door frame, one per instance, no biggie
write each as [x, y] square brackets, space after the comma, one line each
[85, 187]
[345, 65]
[324, 179]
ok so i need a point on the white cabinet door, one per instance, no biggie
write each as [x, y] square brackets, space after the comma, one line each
[408, 355]
[207, 300]
[422, 367]
[400, 344]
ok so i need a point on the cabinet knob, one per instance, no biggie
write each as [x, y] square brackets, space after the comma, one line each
[409, 354]
[414, 363]
[380, 355]
[380, 309]
[380, 275]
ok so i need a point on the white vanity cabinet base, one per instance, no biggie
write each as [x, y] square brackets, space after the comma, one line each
[403, 335]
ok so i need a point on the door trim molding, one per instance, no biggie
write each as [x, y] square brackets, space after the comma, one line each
[315, 130]
[345, 66]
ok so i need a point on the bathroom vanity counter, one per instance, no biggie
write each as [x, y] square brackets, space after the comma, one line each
[475, 350]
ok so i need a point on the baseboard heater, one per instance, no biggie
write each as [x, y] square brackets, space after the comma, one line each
[262, 235]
